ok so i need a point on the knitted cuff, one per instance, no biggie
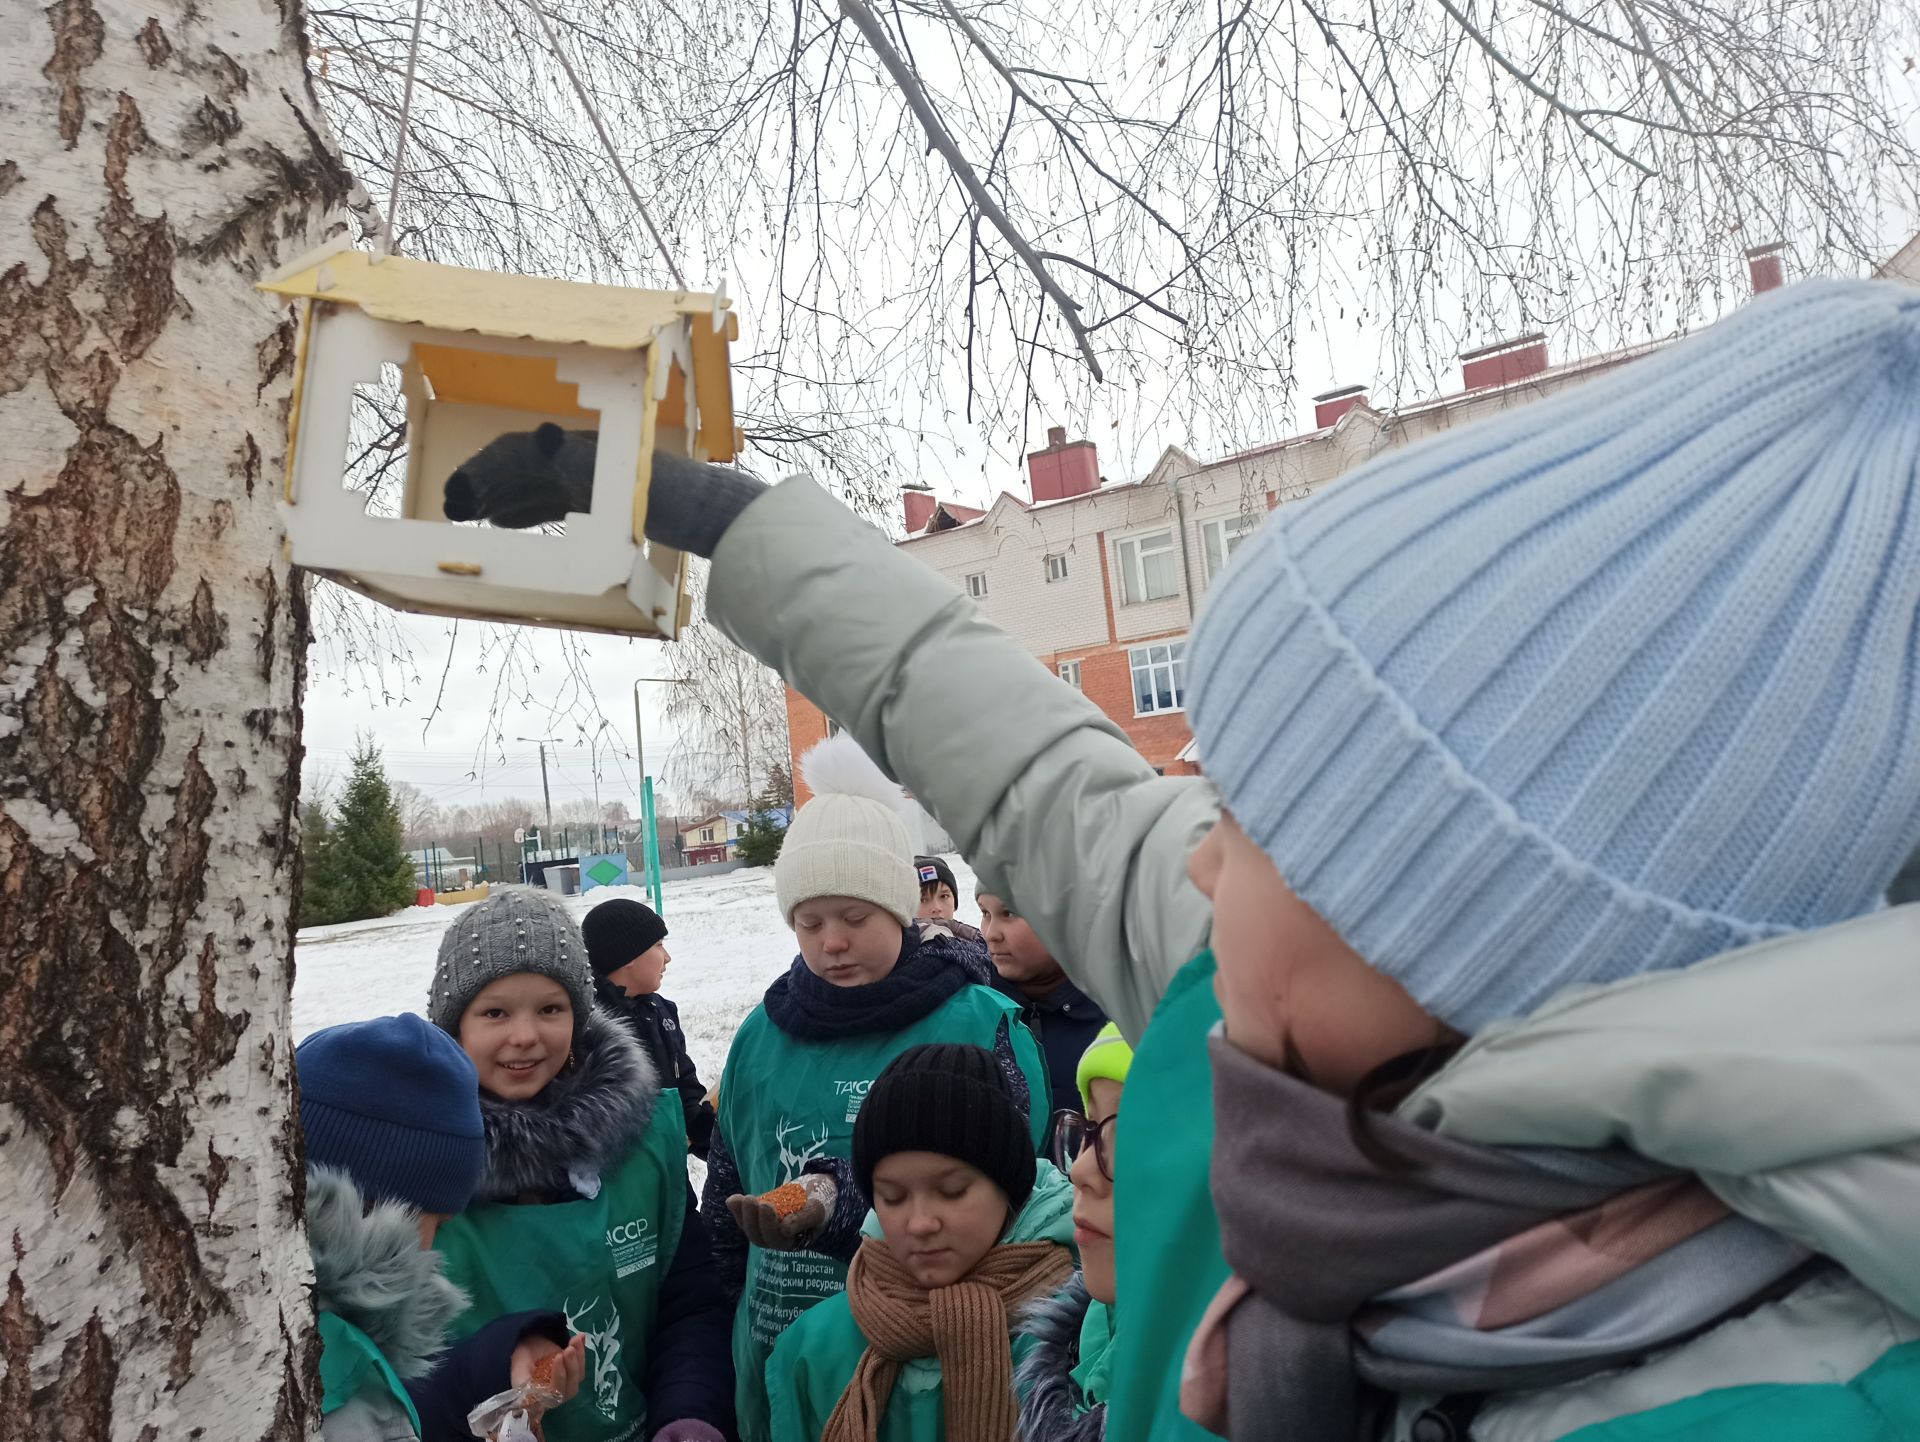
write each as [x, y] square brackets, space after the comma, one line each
[690, 504]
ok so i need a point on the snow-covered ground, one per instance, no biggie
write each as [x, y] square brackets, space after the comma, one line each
[724, 932]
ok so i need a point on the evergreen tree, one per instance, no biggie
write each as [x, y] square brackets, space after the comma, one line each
[373, 874]
[318, 901]
[780, 785]
[766, 828]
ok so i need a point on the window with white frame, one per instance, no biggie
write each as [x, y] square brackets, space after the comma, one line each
[1221, 538]
[1159, 677]
[977, 585]
[1070, 673]
[1149, 568]
[1056, 568]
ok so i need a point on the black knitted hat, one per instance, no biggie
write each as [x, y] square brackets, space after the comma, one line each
[618, 931]
[933, 871]
[950, 1099]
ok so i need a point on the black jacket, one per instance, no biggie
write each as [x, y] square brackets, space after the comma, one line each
[474, 1369]
[1064, 1021]
[655, 1021]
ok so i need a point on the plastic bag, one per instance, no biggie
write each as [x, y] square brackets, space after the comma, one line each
[514, 1415]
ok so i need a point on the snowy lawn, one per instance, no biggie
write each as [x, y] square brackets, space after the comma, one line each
[724, 932]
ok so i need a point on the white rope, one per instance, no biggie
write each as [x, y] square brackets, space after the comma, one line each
[400, 141]
[606, 140]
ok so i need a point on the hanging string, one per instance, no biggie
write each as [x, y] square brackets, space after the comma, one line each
[606, 140]
[400, 141]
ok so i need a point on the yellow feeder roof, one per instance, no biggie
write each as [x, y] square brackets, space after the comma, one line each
[519, 307]
[404, 291]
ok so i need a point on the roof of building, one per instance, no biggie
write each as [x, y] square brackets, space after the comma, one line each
[1359, 414]
[781, 816]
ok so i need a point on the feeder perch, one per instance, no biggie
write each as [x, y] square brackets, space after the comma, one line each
[481, 355]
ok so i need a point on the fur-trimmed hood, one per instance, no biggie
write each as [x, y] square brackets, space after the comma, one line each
[1049, 1406]
[370, 1269]
[563, 1141]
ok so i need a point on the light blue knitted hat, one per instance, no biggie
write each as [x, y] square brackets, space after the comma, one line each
[1605, 685]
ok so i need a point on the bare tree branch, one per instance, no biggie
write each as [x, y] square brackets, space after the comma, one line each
[942, 141]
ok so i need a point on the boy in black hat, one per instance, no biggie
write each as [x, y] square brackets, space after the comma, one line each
[940, 896]
[627, 948]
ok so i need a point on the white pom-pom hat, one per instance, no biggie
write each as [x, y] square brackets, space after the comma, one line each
[852, 839]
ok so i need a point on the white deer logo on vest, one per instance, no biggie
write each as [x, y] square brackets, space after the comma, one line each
[603, 1353]
[794, 1161]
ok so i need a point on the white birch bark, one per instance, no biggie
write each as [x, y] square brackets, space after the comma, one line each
[154, 159]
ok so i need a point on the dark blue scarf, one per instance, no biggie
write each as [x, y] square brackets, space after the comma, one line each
[928, 972]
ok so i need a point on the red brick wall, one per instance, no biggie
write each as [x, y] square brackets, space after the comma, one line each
[1107, 679]
[806, 728]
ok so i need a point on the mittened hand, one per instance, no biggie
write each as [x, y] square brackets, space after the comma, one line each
[784, 1219]
[688, 1429]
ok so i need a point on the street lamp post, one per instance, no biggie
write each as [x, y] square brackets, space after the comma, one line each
[546, 793]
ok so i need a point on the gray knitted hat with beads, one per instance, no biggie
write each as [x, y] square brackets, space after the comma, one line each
[508, 933]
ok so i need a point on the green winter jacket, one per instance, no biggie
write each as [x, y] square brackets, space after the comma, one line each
[1055, 810]
[816, 1357]
[785, 1103]
[1793, 1098]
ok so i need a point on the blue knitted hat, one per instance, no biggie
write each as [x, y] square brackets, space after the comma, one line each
[395, 1104]
[1606, 685]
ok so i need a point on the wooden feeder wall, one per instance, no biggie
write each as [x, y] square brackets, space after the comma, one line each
[481, 355]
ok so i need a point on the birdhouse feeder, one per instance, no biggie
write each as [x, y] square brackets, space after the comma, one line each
[466, 357]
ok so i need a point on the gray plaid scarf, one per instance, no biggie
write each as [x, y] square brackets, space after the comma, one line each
[1474, 1269]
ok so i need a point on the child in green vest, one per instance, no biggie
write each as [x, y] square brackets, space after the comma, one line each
[967, 1229]
[584, 1204]
[1068, 1368]
[394, 1148]
[866, 986]
[1581, 743]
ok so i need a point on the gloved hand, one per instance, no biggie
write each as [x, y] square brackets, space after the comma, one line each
[689, 1429]
[690, 504]
[784, 1219]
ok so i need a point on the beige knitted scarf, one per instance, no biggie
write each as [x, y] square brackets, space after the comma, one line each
[964, 1325]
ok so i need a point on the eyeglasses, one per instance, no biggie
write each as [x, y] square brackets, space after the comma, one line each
[1073, 1134]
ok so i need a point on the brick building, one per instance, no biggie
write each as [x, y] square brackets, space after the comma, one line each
[1101, 581]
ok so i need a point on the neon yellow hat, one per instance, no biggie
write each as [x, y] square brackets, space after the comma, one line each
[1107, 1057]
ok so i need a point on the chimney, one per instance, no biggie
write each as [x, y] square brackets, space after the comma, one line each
[920, 505]
[1330, 406]
[1504, 362]
[1767, 266]
[1065, 468]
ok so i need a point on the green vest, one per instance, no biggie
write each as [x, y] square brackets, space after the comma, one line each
[1166, 1236]
[1093, 1377]
[601, 1261]
[815, 1360]
[1882, 1404]
[784, 1102]
[350, 1363]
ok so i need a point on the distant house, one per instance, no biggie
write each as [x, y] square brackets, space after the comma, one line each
[440, 869]
[713, 838]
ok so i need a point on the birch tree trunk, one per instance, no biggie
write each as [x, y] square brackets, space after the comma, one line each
[154, 158]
